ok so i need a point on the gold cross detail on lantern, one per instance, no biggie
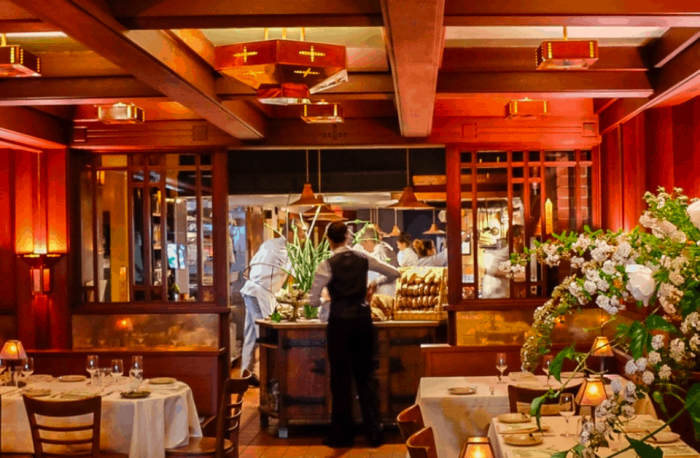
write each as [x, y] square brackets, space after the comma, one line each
[311, 53]
[245, 54]
[306, 72]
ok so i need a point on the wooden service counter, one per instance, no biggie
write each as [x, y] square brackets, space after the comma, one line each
[294, 370]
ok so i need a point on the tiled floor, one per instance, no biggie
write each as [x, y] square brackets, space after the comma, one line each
[304, 441]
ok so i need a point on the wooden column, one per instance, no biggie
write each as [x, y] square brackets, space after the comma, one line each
[454, 236]
[611, 179]
[633, 171]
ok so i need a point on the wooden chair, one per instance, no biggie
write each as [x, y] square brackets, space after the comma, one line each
[410, 421]
[522, 395]
[422, 444]
[89, 446]
[225, 444]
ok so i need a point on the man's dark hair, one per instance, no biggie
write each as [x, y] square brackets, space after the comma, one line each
[337, 232]
[405, 238]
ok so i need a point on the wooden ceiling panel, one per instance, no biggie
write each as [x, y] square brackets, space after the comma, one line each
[15, 19]
[77, 64]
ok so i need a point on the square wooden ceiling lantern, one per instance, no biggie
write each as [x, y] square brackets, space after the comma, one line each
[567, 55]
[323, 113]
[16, 61]
[524, 109]
[121, 113]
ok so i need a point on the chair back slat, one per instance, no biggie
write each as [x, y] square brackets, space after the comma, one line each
[410, 421]
[50, 410]
[522, 395]
[422, 444]
[228, 424]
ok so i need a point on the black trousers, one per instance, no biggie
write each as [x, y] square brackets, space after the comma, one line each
[351, 346]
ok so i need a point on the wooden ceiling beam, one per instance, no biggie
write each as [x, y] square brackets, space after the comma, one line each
[29, 127]
[672, 43]
[201, 14]
[153, 57]
[678, 13]
[414, 36]
[507, 59]
[549, 84]
[73, 91]
[674, 83]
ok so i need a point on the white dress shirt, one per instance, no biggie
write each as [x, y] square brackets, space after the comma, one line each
[268, 272]
[436, 260]
[408, 258]
[324, 274]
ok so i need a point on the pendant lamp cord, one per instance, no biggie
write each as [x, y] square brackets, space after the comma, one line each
[319, 171]
[408, 169]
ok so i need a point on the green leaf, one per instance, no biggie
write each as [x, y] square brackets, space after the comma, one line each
[692, 403]
[658, 323]
[560, 454]
[558, 361]
[645, 450]
[659, 399]
[578, 449]
[639, 337]
[536, 407]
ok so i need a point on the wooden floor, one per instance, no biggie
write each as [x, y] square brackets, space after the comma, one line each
[304, 441]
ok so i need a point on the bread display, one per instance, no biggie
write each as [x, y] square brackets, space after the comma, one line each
[420, 293]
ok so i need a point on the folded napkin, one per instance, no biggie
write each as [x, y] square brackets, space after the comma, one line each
[642, 425]
[7, 389]
[520, 376]
[533, 452]
[678, 450]
[528, 427]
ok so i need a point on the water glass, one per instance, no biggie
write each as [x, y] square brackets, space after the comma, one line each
[136, 372]
[501, 365]
[117, 369]
[27, 367]
[93, 364]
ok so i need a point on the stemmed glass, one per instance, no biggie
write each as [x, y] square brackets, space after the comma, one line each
[117, 369]
[567, 408]
[93, 365]
[501, 365]
[546, 362]
[136, 372]
[27, 367]
[3, 367]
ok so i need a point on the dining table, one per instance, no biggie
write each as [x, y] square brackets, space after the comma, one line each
[141, 428]
[454, 418]
[553, 439]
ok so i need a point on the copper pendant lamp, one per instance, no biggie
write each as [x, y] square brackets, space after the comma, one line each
[308, 198]
[395, 231]
[408, 200]
[325, 213]
[433, 228]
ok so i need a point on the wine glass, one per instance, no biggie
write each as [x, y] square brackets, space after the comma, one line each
[567, 408]
[501, 365]
[27, 367]
[117, 369]
[136, 372]
[93, 364]
[546, 363]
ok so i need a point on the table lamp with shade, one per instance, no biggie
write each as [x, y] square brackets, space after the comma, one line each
[602, 349]
[477, 447]
[13, 352]
[591, 394]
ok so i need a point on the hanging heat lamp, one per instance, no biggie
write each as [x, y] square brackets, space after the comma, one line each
[433, 228]
[395, 231]
[308, 198]
[567, 55]
[284, 72]
[325, 213]
[16, 61]
[408, 200]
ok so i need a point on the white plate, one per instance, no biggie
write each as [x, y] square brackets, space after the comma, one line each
[162, 381]
[523, 439]
[462, 390]
[513, 418]
[663, 438]
[37, 393]
[72, 378]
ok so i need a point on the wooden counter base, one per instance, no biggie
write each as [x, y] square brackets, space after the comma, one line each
[293, 356]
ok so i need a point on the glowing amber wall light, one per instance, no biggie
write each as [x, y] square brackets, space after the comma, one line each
[478, 447]
[591, 393]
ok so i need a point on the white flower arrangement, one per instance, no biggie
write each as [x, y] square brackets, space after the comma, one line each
[655, 266]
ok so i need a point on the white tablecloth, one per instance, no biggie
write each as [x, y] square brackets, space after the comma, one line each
[554, 441]
[456, 418]
[142, 428]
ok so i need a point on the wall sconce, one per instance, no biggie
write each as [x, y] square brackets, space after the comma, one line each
[40, 272]
[477, 447]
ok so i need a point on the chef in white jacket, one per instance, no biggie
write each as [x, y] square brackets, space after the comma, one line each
[267, 274]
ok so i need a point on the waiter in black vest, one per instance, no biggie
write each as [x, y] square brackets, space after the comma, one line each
[350, 334]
